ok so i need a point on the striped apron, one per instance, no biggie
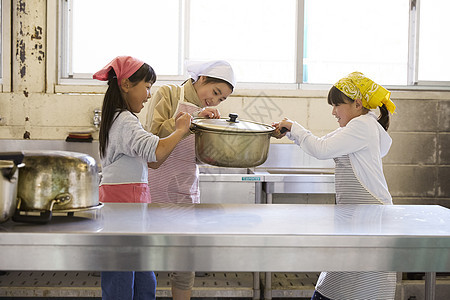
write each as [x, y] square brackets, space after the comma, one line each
[354, 285]
[177, 179]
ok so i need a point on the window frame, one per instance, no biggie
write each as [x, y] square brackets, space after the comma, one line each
[5, 79]
[413, 53]
[61, 24]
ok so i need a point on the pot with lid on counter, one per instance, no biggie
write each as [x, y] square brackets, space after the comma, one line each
[231, 142]
[9, 168]
[56, 181]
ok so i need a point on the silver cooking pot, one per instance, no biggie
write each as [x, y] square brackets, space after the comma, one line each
[55, 181]
[9, 164]
[231, 142]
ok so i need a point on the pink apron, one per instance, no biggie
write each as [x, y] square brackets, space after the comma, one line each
[125, 193]
[176, 180]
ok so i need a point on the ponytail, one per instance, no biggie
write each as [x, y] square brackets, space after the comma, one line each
[383, 119]
[112, 102]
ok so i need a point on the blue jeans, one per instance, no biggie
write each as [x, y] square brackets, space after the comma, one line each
[318, 296]
[128, 285]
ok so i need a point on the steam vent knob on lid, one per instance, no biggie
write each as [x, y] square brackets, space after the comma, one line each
[233, 118]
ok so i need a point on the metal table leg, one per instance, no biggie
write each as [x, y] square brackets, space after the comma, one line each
[256, 287]
[430, 285]
[268, 287]
[269, 197]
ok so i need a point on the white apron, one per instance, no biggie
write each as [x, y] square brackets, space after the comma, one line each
[177, 179]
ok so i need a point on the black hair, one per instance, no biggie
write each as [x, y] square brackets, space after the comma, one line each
[113, 101]
[336, 97]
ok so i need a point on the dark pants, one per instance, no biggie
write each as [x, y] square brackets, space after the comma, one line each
[319, 296]
[128, 285]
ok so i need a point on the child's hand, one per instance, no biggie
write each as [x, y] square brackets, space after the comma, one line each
[183, 122]
[209, 112]
[281, 128]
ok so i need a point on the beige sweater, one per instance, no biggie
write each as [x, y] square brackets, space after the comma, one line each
[160, 117]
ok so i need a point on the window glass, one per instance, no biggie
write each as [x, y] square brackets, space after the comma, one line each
[146, 29]
[434, 44]
[256, 36]
[352, 35]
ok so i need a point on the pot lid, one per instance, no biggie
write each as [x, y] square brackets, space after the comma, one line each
[232, 124]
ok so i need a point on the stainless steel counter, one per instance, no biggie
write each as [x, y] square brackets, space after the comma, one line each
[297, 181]
[227, 237]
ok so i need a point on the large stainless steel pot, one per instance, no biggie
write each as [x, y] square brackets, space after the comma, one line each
[231, 142]
[56, 181]
[9, 163]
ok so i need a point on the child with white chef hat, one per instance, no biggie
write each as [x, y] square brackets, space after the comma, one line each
[176, 181]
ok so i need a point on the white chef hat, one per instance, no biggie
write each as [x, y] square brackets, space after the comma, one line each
[217, 69]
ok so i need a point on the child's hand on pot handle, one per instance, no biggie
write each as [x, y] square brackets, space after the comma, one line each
[183, 122]
[281, 128]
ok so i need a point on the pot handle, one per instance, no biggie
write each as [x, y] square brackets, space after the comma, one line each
[17, 158]
[44, 216]
[192, 129]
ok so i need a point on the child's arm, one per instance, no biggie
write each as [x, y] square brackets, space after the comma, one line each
[167, 144]
[161, 119]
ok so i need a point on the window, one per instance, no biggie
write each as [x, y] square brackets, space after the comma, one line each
[288, 43]
[352, 35]
[434, 45]
[256, 36]
[168, 33]
[97, 31]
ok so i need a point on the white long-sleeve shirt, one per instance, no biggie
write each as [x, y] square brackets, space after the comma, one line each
[363, 139]
[129, 149]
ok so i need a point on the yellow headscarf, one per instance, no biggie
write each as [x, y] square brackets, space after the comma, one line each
[372, 95]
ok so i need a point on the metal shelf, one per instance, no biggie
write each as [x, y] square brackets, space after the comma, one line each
[87, 284]
[288, 285]
[72, 284]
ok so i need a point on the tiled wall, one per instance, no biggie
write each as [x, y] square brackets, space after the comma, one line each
[418, 166]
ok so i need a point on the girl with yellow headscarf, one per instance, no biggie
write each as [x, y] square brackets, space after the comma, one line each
[357, 148]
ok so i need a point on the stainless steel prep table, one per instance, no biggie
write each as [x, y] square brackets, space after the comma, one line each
[234, 237]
